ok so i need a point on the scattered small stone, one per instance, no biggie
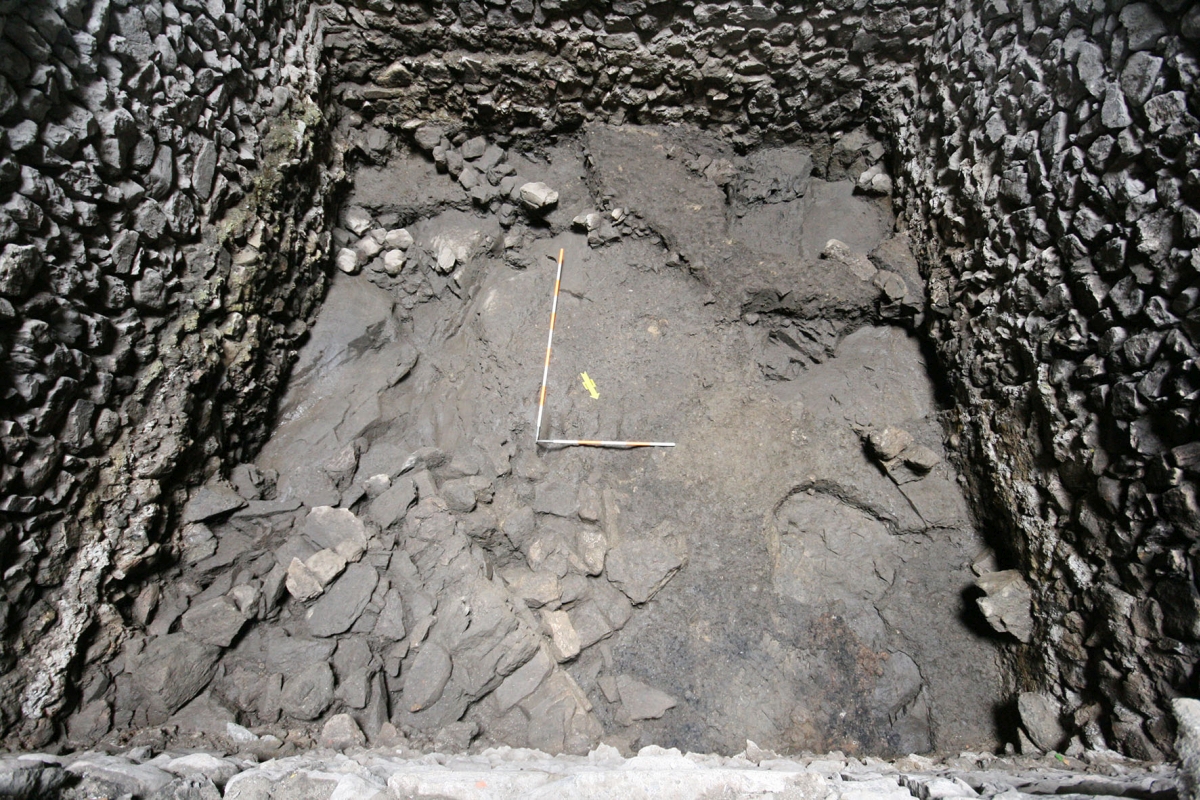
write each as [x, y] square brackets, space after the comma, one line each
[538, 197]
[887, 444]
[398, 238]
[641, 701]
[358, 220]
[348, 260]
[341, 732]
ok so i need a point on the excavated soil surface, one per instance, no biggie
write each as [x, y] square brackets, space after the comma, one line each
[773, 577]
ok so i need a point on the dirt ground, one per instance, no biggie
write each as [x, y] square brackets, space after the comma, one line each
[778, 582]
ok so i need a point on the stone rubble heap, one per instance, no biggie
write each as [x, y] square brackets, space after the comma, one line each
[393, 619]
[515, 774]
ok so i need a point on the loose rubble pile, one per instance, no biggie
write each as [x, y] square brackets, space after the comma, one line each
[167, 174]
[506, 773]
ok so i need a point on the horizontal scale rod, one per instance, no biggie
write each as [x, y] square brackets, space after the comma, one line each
[603, 443]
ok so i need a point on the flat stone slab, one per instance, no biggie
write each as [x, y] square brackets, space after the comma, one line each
[343, 602]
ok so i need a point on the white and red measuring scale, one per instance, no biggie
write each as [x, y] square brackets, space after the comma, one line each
[546, 374]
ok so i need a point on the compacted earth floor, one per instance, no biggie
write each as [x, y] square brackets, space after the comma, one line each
[795, 571]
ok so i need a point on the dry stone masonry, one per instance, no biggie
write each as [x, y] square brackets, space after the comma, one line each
[171, 185]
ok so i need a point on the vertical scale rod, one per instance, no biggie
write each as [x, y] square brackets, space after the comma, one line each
[537, 433]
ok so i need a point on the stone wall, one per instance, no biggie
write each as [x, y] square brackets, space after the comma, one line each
[1051, 167]
[153, 276]
[525, 67]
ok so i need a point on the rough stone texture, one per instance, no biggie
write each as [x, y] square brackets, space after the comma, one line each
[145, 318]
[1187, 745]
[1006, 603]
[1053, 227]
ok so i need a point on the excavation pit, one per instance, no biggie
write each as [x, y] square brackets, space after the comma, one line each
[779, 576]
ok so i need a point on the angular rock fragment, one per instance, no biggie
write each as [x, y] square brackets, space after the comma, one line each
[174, 668]
[390, 624]
[1007, 603]
[338, 529]
[216, 622]
[348, 260]
[211, 501]
[343, 602]
[390, 506]
[564, 639]
[555, 497]
[920, 458]
[859, 265]
[307, 693]
[427, 677]
[341, 732]
[535, 589]
[522, 683]
[1041, 718]
[538, 197]
[641, 701]
[889, 443]
[308, 579]
[357, 220]
[641, 568]
[428, 137]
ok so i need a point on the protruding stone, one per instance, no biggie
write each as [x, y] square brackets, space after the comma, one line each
[309, 692]
[564, 639]
[339, 529]
[538, 196]
[399, 238]
[174, 668]
[211, 501]
[216, 622]
[859, 265]
[428, 137]
[641, 568]
[426, 678]
[1040, 716]
[358, 220]
[341, 732]
[343, 602]
[1007, 604]
[641, 701]
[889, 443]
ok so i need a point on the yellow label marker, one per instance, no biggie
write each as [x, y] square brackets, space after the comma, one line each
[590, 385]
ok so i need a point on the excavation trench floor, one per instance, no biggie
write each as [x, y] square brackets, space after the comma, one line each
[767, 578]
